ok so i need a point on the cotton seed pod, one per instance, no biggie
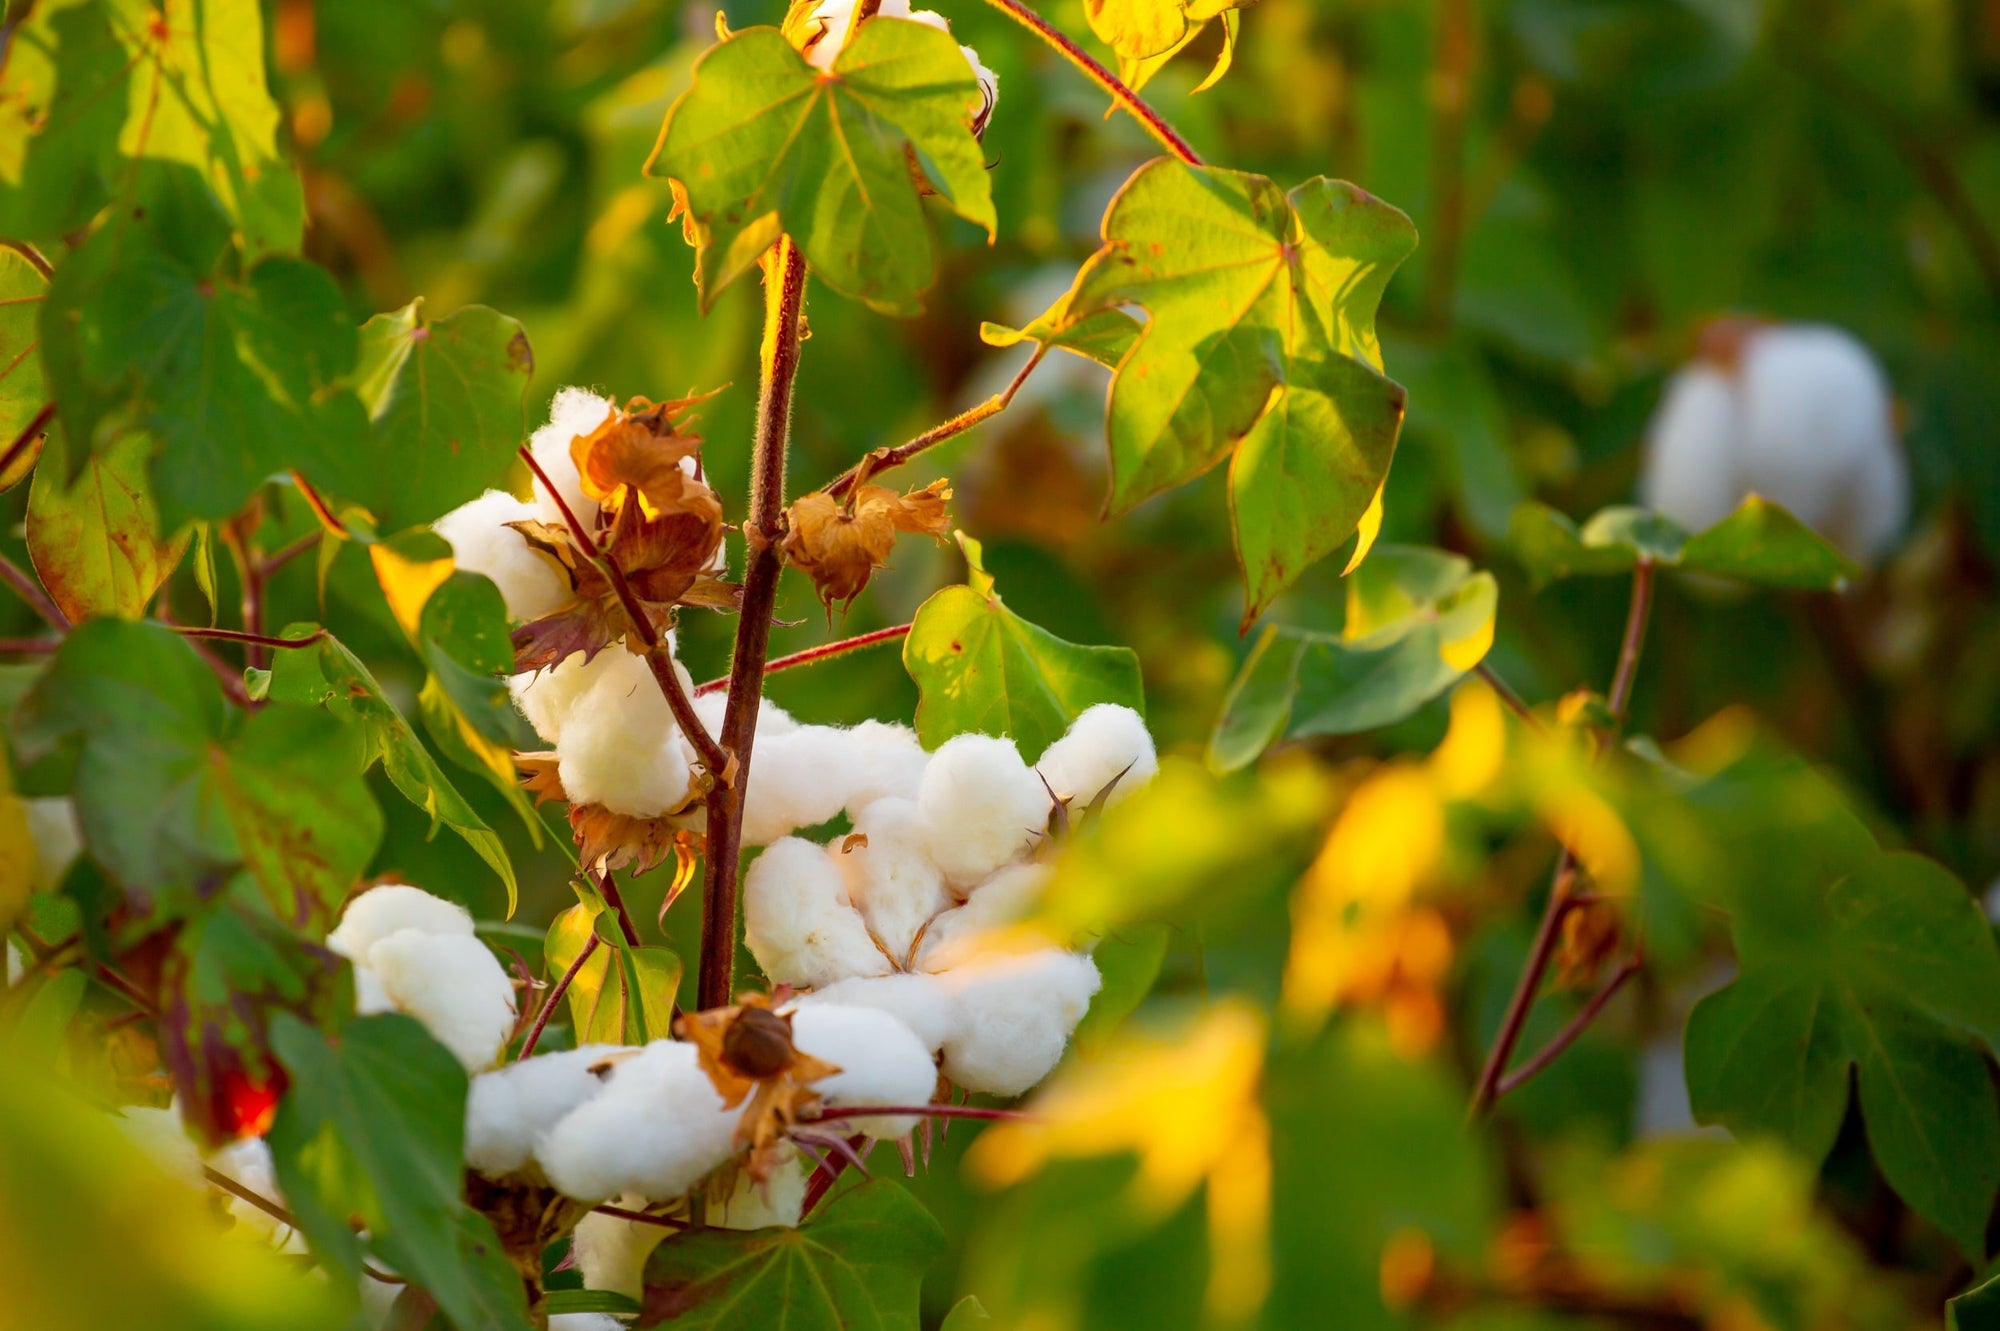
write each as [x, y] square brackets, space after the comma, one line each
[881, 1062]
[453, 985]
[798, 923]
[1106, 754]
[1014, 1014]
[482, 542]
[657, 1128]
[390, 908]
[982, 807]
[509, 1109]
[889, 873]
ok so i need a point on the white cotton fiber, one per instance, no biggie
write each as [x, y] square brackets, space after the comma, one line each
[369, 995]
[452, 984]
[958, 936]
[982, 807]
[919, 1001]
[574, 411]
[771, 720]
[481, 542]
[775, 1203]
[1107, 744]
[586, 1321]
[885, 761]
[797, 921]
[1691, 448]
[1014, 1015]
[891, 876]
[881, 1062]
[621, 749]
[509, 1109]
[657, 1129]
[797, 779]
[248, 1162]
[58, 840]
[391, 908]
[611, 1252]
[548, 697]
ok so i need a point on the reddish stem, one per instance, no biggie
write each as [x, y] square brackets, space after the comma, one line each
[824, 1177]
[29, 646]
[562, 985]
[607, 887]
[882, 459]
[36, 424]
[814, 655]
[253, 639]
[31, 592]
[640, 1217]
[923, 1111]
[1578, 1024]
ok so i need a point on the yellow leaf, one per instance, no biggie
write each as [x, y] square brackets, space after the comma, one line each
[17, 860]
[1371, 519]
[1475, 746]
[1465, 652]
[407, 583]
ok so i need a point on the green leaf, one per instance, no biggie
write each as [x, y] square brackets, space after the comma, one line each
[90, 88]
[96, 542]
[982, 669]
[1103, 336]
[328, 674]
[462, 633]
[373, 1128]
[1978, 1309]
[1892, 972]
[447, 401]
[23, 390]
[602, 996]
[858, 1263]
[174, 791]
[1259, 346]
[1760, 543]
[762, 143]
[588, 1301]
[965, 1315]
[1417, 620]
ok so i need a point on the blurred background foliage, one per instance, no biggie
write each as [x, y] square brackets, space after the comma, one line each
[1592, 180]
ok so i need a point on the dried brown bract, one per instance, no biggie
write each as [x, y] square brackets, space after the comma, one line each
[747, 1050]
[840, 543]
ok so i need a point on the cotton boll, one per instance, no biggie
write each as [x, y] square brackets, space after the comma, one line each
[575, 411]
[885, 761]
[796, 780]
[621, 750]
[778, 1202]
[369, 995]
[1692, 449]
[452, 984]
[1107, 744]
[919, 1001]
[797, 921]
[891, 877]
[989, 85]
[162, 1136]
[611, 1252]
[549, 697]
[772, 720]
[1014, 1014]
[509, 1109]
[586, 1321]
[16, 968]
[248, 1162]
[481, 542]
[657, 1129]
[881, 1062]
[959, 936]
[391, 908]
[982, 807]
[58, 840]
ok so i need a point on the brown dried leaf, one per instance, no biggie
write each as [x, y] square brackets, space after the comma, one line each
[636, 451]
[1590, 935]
[839, 546]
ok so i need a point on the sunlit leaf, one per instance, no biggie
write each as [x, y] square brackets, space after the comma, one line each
[1147, 33]
[1977, 1309]
[1760, 543]
[621, 994]
[96, 542]
[764, 144]
[23, 390]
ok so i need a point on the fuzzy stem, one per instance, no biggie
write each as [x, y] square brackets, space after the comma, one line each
[640, 1217]
[884, 458]
[1578, 1024]
[1102, 77]
[713, 756]
[31, 592]
[784, 301]
[923, 1111]
[555, 997]
[29, 646]
[1636, 617]
[1505, 692]
[36, 424]
[249, 639]
[826, 651]
[286, 555]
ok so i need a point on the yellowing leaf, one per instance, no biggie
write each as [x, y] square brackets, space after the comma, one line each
[408, 582]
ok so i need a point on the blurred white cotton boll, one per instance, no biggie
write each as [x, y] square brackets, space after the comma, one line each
[917, 1000]
[881, 1062]
[162, 1136]
[1107, 744]
[575, 411]
[481, 542]
[454, 985]
[982, 807]
[58, 840]
[1691, 449]
[777, 1202]
[797, 921]
[657, 1129]
[959, 935]
[619, 748]
[586, 1321]
[611, 1252]
[891, 877]
[248, 1162]
[391, 908]
[797, 779]
[1014, 1015]
[510, 1108]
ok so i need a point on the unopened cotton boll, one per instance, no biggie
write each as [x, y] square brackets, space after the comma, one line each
[1014, 1015]
[391, 908]
[620, 748]
[981, 805]
[657, 1128]
[454, 985]
[482, 542]
[881, 1062]
[1106, 748]
[917, 1000]
[891, 876]
[960, 935]
[58, 839]
[798, 922]
[611, 1252]
[509, 1109]
[574, 411]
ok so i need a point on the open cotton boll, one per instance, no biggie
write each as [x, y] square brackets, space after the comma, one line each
[248, 1162]
[585, 1321]
[58, 840]
[881, 1062]
[797, 779]
[611, 1253]
[917, 1000]
[626, 756]
[797, 921]
[509, 1109]
[481, 542]
[391, 908]
[1107, 744]
[549, 697]
[982, 807]
[959, 936]
[1014, 1015]
[574, 411]
[885, 761]
[452, 984]
[778, 1202]
[891, 878]
[771, 719]
[1692, 447]
[657, 1129]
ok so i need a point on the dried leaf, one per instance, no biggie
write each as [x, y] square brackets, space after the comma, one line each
[839, 546]
[747, 1050]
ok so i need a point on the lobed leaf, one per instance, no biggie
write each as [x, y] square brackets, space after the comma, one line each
[96, 542]
[1759, 543]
